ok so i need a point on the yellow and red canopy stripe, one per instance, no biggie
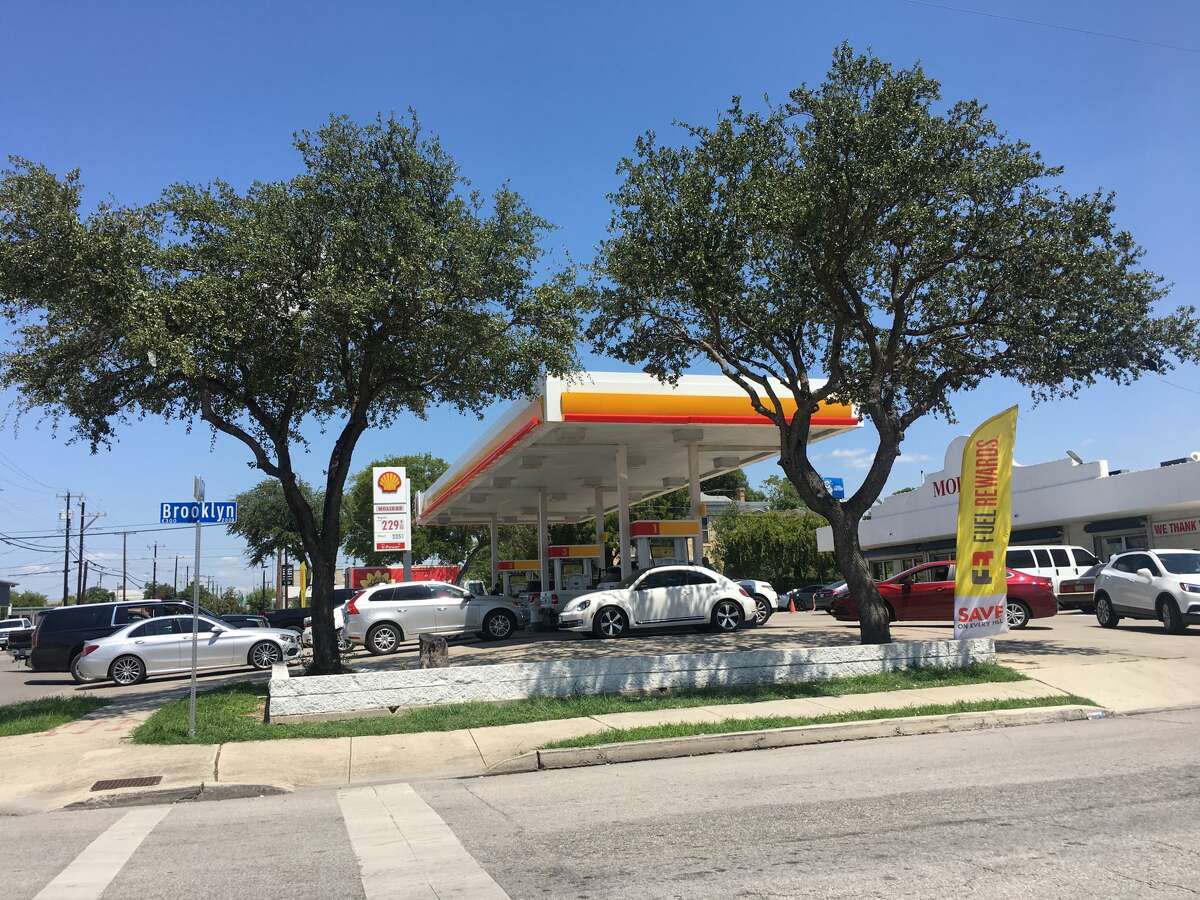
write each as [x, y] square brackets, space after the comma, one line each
[574, 550]
[686, 409]
[665, 528]
[518, 565]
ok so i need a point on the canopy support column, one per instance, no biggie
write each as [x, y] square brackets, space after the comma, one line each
[543, 541]
[694, 493]
[623, 509]
[599, 508]
[494, 547]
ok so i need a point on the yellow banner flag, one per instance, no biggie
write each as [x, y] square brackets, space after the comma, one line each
[984, 525]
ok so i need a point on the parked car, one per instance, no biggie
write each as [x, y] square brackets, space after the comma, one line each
[802, 597]
[292, 619]
[339, 625]
[8, 626]
[1150, 584]
[765, 599]
[925, 593]
[381, 617]
[1079, 593]
[61, 633]
[663, 596]
[237, 620]
[163, 646]
[823, 599]
[1053, 561]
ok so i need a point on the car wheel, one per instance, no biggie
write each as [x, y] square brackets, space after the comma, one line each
[264, 654]
[383, 639]
[1105, 614]
[77, 676]
[610, 622]
[1017, 613]
[498, 625]
[727, 616]
[127, 670]
[345, 645]
[762, 610]
[1168, 614]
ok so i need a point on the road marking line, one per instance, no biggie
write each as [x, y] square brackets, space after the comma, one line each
[91, 871]
[406, 851]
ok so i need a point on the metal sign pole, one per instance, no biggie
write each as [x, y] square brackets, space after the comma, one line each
[198, 493]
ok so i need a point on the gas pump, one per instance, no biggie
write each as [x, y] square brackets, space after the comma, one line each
[515, 575]
[576, 571]
[663, 542]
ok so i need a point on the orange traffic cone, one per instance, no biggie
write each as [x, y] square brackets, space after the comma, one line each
[791, 603]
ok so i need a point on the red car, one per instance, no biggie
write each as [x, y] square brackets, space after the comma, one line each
[925, 593]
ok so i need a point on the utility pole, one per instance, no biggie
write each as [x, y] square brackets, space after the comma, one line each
[278, 576]
[82, 520]
[67, 553]
[175, 578]
[83, 581]
[124, 570]
[186, 575]
[154, 571]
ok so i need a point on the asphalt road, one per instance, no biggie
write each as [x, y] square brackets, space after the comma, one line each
[1084, 809]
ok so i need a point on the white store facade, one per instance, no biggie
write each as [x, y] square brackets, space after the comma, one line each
[1063, 501]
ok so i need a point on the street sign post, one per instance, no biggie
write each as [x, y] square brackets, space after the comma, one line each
[199, 513]
[836, 487]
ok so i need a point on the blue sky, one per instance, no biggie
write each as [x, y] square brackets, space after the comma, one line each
[549, 96]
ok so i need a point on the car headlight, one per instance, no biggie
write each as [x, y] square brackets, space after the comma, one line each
[1191, 588]
[584, 604]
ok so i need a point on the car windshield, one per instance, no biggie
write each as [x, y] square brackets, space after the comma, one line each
[628, 580]
[1181, 563]
[12, 623]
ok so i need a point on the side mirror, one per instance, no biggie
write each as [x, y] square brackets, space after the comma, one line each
[1145, 575]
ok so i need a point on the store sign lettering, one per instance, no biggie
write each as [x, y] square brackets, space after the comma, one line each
[944, 487]
[1179, 526]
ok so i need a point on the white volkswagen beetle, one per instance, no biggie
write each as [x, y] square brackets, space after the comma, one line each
[163, 646]
[659, 598]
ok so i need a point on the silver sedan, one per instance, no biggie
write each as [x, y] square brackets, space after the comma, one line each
[163, 646]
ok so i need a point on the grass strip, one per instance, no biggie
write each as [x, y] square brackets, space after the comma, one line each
[234, 713]
[39, 715]
[762, 723]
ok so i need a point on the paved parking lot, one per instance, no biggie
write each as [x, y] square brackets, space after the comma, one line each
[1062, 649]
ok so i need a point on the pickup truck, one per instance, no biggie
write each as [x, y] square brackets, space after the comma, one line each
[8, 626]
[19, 643]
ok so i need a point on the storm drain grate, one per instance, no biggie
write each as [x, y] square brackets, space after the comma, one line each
[114, 783]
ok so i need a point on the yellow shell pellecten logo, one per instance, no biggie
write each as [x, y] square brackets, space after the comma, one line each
[389, 482]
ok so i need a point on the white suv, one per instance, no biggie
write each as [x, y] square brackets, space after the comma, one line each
[1150, 584]
[1058, 562]
[662, 597]
[765, 598]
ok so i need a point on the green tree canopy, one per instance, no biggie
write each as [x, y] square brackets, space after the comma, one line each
[28, 598]
[97, 594]
[157, 590]
[265, 521]
[865, 243]
[779, 547]
[781, 493]
[368, 287]
[260, 600]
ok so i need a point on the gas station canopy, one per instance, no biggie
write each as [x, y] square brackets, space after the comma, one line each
[570, 451]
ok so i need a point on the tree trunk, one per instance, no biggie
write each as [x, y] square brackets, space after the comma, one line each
[873, 616]
[326, 660]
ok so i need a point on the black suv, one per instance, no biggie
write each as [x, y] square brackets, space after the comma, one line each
[61, 633]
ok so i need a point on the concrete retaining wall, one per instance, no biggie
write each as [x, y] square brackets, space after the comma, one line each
[383, 693]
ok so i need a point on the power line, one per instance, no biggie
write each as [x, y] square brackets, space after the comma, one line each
[1088, 31]
[1180, 386]
[6, 461]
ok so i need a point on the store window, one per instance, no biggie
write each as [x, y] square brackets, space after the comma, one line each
[1108, 544]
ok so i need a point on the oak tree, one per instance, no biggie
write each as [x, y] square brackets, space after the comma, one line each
[901, 248]
[368, 287]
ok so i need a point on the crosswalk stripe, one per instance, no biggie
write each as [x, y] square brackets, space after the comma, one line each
[406, 852]
[90, 872]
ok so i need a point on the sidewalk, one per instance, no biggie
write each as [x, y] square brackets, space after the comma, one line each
[59, 767]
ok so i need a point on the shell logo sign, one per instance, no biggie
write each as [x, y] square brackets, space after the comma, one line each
[393, 528]
[389, 481]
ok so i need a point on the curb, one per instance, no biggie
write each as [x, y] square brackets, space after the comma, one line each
[772, 738]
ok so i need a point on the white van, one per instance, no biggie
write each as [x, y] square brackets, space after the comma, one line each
[1054, 561]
